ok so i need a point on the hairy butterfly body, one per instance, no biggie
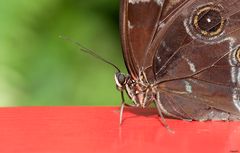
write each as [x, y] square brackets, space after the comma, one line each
[183, 55]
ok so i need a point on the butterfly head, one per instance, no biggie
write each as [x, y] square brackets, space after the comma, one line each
[121, 80]
[139, 91]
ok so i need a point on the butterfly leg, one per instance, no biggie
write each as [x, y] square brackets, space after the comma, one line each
[123, 104]
[121, 108]
[158, 105]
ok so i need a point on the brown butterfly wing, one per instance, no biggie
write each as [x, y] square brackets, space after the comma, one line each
[139, 22]
[199, 76]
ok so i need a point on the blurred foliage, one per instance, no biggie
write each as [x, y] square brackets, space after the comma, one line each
[39, 68]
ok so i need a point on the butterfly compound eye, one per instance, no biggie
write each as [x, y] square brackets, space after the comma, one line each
[120, 79]
[208, 21]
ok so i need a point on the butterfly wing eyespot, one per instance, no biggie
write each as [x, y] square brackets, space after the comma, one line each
[237, 55]
[208, 21]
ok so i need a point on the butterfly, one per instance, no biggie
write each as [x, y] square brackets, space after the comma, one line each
[182, 55]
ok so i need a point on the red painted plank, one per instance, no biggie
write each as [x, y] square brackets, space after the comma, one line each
[96, 129]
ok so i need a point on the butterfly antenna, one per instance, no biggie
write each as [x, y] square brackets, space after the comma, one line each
[90, 52]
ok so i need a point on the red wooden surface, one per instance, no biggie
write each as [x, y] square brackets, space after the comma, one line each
[96, 129]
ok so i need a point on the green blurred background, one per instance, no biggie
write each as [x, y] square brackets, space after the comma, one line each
[39, 68]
